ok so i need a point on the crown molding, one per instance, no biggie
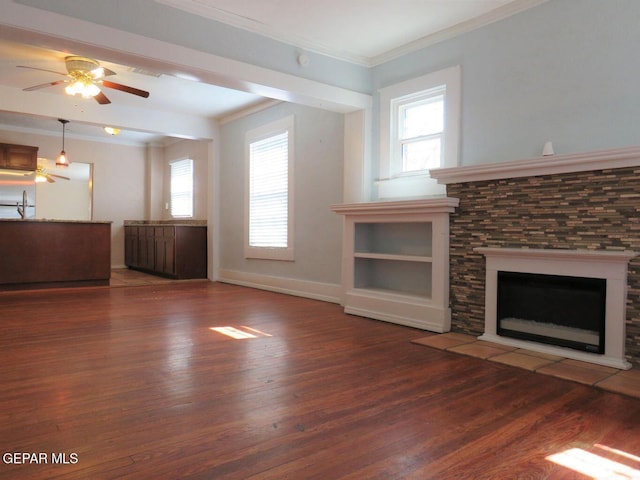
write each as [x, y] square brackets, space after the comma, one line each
[488, 18]
[247, 24]
[553, 164]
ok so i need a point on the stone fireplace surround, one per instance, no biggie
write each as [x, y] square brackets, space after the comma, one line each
[581, 202]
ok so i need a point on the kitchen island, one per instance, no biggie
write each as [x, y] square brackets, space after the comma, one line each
[54, 253]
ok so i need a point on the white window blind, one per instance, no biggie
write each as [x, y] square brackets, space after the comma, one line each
[268, 192]
[182, 188]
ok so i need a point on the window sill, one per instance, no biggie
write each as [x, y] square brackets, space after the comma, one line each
[409, 185]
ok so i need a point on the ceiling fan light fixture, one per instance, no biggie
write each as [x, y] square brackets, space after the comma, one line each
[112, 130]
[62, 160]
[97, 72]
[40, 178]
[82, 85]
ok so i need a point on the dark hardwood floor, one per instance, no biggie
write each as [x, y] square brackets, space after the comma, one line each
[134, 383]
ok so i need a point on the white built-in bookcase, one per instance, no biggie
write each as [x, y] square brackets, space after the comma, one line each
[395, 264]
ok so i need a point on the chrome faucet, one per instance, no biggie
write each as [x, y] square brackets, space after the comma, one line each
[22, 209]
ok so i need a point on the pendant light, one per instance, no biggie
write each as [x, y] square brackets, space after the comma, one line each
[62, 160]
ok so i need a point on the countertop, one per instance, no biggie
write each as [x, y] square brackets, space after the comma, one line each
[49, 220]
[176, 222]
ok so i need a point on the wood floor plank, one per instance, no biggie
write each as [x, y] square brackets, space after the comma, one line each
[137, 384]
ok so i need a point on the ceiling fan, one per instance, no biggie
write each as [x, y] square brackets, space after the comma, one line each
[85, 76]
[42, 175]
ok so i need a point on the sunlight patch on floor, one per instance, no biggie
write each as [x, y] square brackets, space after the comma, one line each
[595, 466]
[240, 333]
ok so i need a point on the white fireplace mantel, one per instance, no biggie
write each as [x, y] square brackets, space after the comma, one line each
[609, 265]
[553, 164]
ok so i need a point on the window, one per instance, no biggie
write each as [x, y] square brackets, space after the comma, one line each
[269, 216]
[182, 188]
[419, 131]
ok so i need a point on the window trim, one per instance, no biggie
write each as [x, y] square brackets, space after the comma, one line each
[171, 202]
[415, 89]
[260, 133]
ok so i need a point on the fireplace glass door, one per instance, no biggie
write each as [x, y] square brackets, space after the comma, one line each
[552, 309]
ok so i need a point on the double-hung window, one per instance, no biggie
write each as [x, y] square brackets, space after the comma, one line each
[181, 188]
[269, 193]
[420, 135]
[419, 131]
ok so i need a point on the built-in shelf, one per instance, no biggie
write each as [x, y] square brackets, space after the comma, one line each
[387, 256]
[396, 263]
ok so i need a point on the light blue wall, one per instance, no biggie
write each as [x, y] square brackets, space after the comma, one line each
[566, 71]
[318, 184]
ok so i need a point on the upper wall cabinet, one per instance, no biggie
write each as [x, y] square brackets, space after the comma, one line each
[18, 157]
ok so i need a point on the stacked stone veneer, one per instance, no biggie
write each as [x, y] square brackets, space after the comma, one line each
[597, 210]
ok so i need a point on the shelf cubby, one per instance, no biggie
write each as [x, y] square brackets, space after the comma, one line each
[396, 261]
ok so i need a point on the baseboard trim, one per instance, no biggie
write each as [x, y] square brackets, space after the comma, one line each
[326, 292]
[422, 324]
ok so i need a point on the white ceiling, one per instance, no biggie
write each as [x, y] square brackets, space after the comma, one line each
[365, 31]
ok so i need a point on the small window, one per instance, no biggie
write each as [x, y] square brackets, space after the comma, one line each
[182, 188]
[269, 195]
[419, 131]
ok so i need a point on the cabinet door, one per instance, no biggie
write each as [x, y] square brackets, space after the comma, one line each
[165, 254]
[131, 246]
[21, 157]
[148, 261]
[169, 253]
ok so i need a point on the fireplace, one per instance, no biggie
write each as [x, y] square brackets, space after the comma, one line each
[552, 309]
[592, 282]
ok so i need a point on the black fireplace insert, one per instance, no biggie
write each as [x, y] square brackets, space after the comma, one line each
[553, 309]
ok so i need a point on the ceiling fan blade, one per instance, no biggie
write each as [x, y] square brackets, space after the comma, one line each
[108, 72]
[102, 99]
[41, 69]
[58, 176]
[43, 85]
[49, 179]
[124, 88]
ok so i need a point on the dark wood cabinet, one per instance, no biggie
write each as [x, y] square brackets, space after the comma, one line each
[44, 254]
[176, 251]
[164, 243]
[18, 157]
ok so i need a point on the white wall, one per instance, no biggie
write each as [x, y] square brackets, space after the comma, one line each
[118, 178]
[64, 200]
[318, 184]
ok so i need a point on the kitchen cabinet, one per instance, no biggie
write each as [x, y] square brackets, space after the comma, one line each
[18, 157]
[175, 251]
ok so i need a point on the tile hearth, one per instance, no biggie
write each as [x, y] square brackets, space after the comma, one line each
[626, 382]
